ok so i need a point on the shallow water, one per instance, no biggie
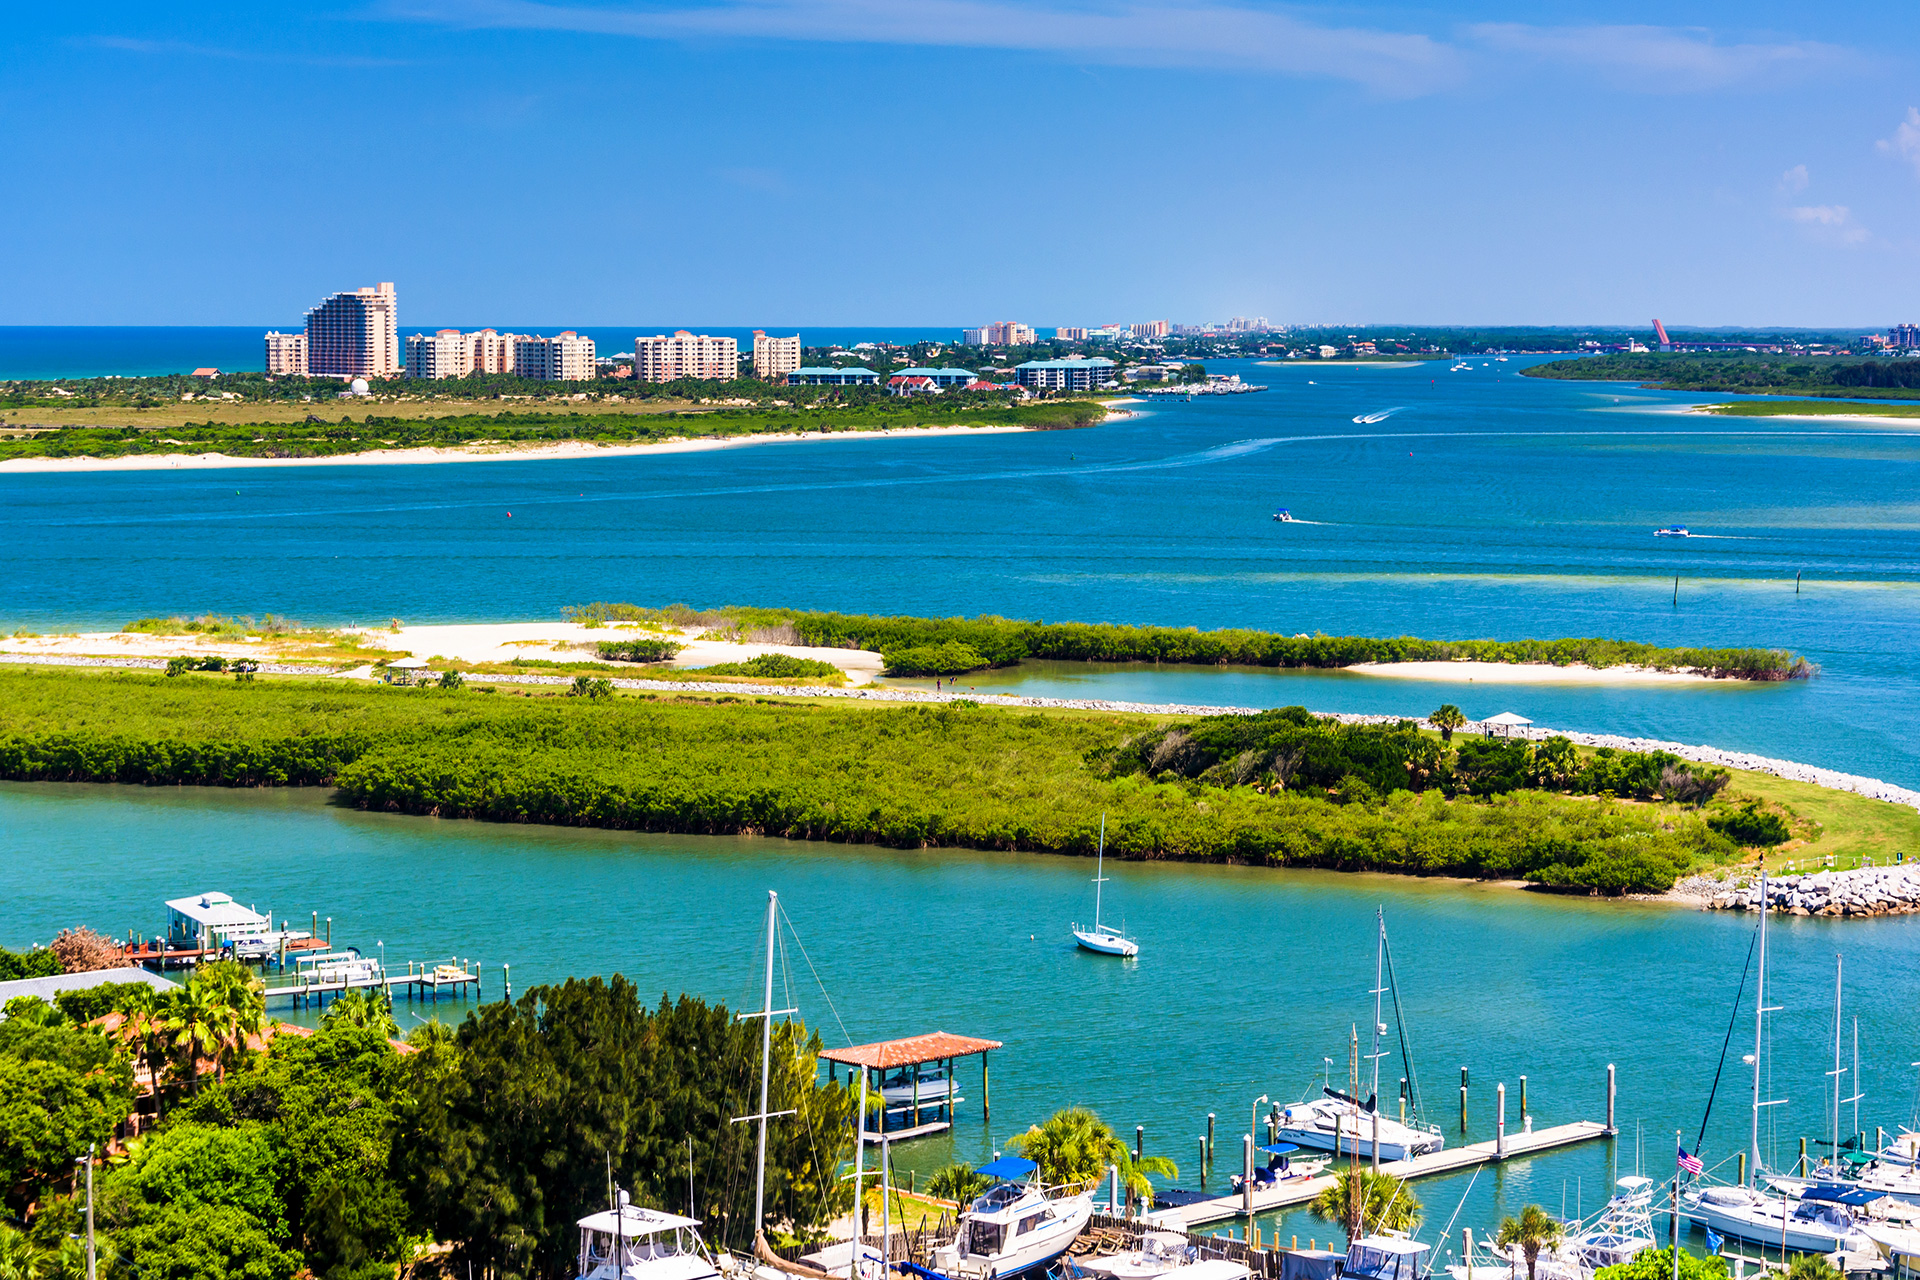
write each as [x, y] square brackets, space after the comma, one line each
[1247, 980]
[1484, 505]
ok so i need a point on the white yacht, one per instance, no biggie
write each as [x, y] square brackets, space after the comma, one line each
[1017, 1226]
[1386, 1257]
[1345, 1125]
[1821, 1221]
[1103, 938]
[631, 1243]
[1620, 1232]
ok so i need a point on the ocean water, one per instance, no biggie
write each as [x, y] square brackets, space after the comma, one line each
[1248, 979]
[1481, 505]
[83, 351]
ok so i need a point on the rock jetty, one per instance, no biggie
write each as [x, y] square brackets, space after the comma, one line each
[1864, 891]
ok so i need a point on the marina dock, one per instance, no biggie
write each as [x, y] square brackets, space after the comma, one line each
[425, 984]
[1287, 1194]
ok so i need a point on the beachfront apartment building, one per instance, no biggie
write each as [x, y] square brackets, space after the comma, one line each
[1152, 329]
[1065, 375]
[775, 358]
[1070, 334]
[355, 335]
[1001, 333]
[447, 353]
[687, 355]
[287, 353]
[565, 357]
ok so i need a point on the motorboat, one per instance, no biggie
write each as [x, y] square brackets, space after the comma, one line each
[1283, 516]
[1102, 938]
[1671, 531]
[1160, 1252]
[1386, 1257]
[1620, 1232]
[1822, 1220]
[1493, 1262]
[1343, 1124]
[927, 1085]
[630, 1243]
[1016, 1226]
[1279, 1169]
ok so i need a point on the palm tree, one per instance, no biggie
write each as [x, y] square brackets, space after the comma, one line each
[20, 1258]
[1363, 1202]
[200, 1028]
[1534, 1230]
[1446, 720]
[238, 993]
[957, 1182]
[1812, 1266]
[144, 1032]
[358, 1009]
[1075, 1146]
[1554, 761]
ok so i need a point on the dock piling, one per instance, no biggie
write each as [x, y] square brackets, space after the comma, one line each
[1523, 1099]
[1208, 1154]
[1203, 1162]
[506, 981]
[1610, 1129]
[1500, 1122]
[1740, 1169]
[1139, 1142]
[1246, 1185]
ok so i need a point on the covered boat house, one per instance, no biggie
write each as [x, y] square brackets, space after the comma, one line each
[912, 1078]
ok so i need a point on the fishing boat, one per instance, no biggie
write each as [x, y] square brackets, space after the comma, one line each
[1102, 938]
[1620, 1232]
[627, 1242]
[1016, 1226]
[1341, 1122]
[1390, 1256]
[1672, 531]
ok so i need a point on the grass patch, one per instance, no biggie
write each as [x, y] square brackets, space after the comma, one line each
[1810, 408]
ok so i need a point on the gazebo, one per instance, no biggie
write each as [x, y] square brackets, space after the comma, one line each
[893, 1069]
[405, 670]
[1506, 721]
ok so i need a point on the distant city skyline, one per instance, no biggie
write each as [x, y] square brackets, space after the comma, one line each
[830, 161]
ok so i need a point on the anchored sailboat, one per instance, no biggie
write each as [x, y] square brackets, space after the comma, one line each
[1100, 937]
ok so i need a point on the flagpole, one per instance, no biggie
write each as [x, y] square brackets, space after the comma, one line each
[1676, 1205]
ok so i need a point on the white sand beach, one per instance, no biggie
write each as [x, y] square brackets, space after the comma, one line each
[473, 453]
[1523, 673]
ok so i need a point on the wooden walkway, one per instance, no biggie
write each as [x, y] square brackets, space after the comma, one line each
[1300, 1191]
[425, 985]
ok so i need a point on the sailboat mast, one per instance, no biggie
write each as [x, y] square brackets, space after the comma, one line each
[1099, 872]
[1379, 981]
[766, 1061]
[1759, 1018]
[1837, 963]
[1858, 1092]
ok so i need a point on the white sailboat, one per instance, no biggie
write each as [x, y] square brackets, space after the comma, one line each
[1342, 1123]
[1101, 938]
[1822, 1220]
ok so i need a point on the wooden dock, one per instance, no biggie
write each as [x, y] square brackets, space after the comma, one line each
[1300, 1191]
[427, 984]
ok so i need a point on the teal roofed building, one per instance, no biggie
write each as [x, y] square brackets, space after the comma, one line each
[851, 376]
[940, 377]
[1065, 375]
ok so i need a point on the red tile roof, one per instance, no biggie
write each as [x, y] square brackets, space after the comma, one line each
[911, 1051]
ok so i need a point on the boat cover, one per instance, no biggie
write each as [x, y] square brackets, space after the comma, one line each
[1007, 1168]
[1280, 1149]
[1841, 1195]
[1311, 1264]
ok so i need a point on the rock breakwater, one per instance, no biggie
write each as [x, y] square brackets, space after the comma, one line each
[1863, 891]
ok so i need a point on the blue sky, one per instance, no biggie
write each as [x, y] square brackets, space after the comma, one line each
[794, 162]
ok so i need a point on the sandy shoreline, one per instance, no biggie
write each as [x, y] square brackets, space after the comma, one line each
[1873, 419]
[1525, 673]
[562, 449]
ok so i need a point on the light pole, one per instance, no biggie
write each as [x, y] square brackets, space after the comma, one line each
[1253, 1119]
[87, 1160]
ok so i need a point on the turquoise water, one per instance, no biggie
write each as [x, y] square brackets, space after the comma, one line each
[1484, 505]
[1247, 979]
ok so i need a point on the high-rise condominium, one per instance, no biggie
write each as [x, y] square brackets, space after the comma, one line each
[687, 355]
[446, 354]
[565, 357]
[287, 353]
[355, 335]
[775, 358]
[1001, 333]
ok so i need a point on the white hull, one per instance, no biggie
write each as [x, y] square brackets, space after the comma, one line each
[1314, 1125]
[1028, 1249]
[1772, 1223]
[1106, 942]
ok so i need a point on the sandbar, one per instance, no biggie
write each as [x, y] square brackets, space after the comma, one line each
[505, 452]
[1523, 673]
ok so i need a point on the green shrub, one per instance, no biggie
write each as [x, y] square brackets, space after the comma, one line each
[452, 680]
[773, 666]
[1752, 826]
[590, 687]
[179, 666]
[38, 962]
[642, 649]
[949, 658]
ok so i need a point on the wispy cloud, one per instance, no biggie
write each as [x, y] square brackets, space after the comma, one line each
[1905, 142]
[1829, 222]
[1660, 59]
[1795, 180]
[1152, 33]
[184, 49]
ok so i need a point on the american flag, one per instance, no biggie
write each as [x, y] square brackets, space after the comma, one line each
[1690, 1163]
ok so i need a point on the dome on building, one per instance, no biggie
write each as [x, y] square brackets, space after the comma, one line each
[358, 387]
